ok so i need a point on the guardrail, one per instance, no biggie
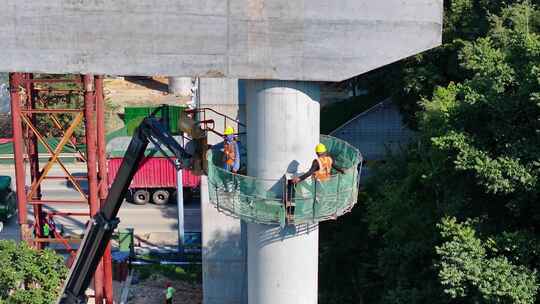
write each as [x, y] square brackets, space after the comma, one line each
[313, 201]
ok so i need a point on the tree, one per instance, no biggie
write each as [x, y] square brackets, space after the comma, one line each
[455, 218]
[466, 269]
[28, 276]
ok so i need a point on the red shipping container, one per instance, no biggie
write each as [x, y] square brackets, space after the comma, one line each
[155, 172]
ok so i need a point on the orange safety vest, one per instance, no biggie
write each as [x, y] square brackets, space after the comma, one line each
[230, 155]
[325, 168]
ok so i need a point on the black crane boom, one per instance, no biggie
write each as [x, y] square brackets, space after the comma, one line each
[100, 228]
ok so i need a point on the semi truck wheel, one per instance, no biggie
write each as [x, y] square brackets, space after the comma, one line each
[161, 197]
[141, 197]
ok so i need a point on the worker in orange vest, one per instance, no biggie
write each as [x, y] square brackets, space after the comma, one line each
[231, 151]
[321, 168]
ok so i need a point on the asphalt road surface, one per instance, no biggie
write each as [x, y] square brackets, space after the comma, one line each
[144, 219]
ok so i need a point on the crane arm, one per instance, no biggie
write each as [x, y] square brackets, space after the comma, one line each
[100, 228]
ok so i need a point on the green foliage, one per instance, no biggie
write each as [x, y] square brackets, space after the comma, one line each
[28, 276]
[503, 174]
[346, 262]
[466, 270]
[60, 101]
[489, 123]
[455, 218]
[415, 78]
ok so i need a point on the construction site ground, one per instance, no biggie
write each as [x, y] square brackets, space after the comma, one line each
[134, 91]
[152, 290]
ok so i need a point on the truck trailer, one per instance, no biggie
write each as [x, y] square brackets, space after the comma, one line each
[155, 180]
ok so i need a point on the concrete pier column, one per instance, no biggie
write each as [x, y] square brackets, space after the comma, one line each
[283, 129]
[223, 238]
[180, 86]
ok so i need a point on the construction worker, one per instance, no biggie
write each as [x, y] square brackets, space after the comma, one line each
[321, 168]
[46, 233]
[52, 225]
[169, 292]
[46, 230]
[231, 151]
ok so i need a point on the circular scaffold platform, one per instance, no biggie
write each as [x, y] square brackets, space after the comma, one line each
[313, 201]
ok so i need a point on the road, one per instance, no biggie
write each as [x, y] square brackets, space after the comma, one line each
[148, 218]
[150, 222]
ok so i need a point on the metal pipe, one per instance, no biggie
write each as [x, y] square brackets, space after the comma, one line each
[180, 203]
[50, 240]
[165, 263]
[57, 213]
[41, 155]
[101, 144]
[77, 90]
[51, 90]
[90, 133]
[52, 80]
[204, 110]
[77, 178]
[14, 83]
[54, 154]
[46, 111]
[103, 190]
[33, 157]
[44, 202]
[107, 272]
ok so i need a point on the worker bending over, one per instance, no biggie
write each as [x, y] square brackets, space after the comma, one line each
[321, 168]
[231, 151]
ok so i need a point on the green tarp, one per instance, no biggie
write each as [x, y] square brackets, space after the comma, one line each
[133, 116]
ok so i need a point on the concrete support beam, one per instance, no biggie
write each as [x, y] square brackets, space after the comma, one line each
[223, 237]
[223, 256]
[283, 129]
[247, 39]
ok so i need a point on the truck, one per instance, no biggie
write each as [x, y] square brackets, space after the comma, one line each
[155, 179]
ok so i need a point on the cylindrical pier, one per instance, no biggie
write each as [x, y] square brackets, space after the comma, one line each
[180, 86]
[283, 129]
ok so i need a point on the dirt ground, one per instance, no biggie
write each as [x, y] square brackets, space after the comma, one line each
[152, 291]
[135, 91]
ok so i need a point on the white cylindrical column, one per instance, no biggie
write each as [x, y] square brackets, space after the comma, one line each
[180, 86]
[283, 129]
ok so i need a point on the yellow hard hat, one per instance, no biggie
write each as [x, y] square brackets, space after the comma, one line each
[229, 131]
[320, 148]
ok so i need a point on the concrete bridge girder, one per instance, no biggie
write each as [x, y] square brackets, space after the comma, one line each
[249, 39]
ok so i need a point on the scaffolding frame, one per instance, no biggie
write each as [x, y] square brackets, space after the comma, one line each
[27, 104]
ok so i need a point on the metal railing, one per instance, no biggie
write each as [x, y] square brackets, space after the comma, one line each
[310, 201]
[208, 124]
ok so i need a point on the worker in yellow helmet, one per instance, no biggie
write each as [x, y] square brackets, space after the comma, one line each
[321, 168]
[231, 150]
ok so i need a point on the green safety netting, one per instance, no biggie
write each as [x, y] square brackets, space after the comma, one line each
[261, 201]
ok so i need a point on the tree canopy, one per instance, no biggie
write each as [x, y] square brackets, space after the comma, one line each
[455, 218]
[29, 276]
